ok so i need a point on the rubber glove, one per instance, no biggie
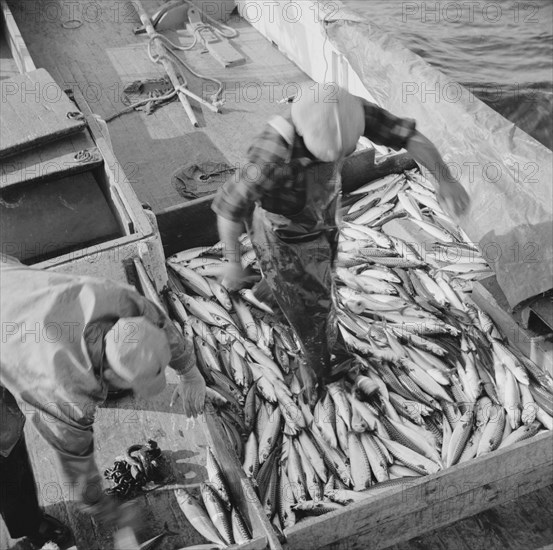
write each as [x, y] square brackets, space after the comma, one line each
[191, 388]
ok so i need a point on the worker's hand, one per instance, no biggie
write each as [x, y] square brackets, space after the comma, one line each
[234, 276]
[191, 389]
[452, 197]
[106, 511]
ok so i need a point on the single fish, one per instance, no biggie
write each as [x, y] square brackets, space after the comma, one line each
[341, 402]
[196, 283]
[240, 531]
[220, 293]
[493, 431]
[269, 436]
[286, 501]
[410, 458]
[296, 474]
[512, 400]
[187, 255]
[520, 434]
[459, 438]
[248, 295]
[312, 485]
[197, 516]
[313, 455]
[269, 495]
[217, 513]
[359, 463]
[217, 478]
[316, 508]
[251, 457]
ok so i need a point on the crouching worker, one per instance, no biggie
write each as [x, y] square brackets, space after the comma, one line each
[66, 341]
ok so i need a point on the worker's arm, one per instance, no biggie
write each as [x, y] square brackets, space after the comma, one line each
[235, 200]
[384, 128]
[229, 233]
[449, 191]
[73, 446]
[191, 386]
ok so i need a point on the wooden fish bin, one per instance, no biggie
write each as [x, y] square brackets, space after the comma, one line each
[398, 513]
[430, 502]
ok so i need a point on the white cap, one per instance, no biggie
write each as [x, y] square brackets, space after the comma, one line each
[138, 352]
[330, 122]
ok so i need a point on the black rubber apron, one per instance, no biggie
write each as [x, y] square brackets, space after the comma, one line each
[296, 256]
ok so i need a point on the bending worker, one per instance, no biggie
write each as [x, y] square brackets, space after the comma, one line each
[287, 196]
[66, 341]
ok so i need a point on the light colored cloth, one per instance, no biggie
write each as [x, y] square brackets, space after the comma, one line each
[276, 161]
[139, 357]
[52, 356]
[330, 122]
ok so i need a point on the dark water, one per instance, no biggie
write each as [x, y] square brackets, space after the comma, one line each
[502, 51]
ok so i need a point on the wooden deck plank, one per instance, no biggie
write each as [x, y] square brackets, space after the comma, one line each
[118, 425]
[67, 164]
[34, 112]
[40, 162]
[103, 55]
[430, 503]
[491, 529]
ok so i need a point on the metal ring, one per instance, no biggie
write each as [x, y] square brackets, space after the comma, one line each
[75, 115]
[72, 24]
[83, 156]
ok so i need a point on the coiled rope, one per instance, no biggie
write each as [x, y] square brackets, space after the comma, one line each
[224, 31]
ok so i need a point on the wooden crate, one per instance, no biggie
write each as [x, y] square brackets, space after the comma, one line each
[398, 514]
[430, 502]
[403, 512]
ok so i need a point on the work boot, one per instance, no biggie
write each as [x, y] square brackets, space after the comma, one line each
[50, 530]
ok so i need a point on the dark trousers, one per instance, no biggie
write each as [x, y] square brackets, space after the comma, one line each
[18, 497]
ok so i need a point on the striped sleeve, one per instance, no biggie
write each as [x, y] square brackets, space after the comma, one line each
[236, 199]
[384, 128]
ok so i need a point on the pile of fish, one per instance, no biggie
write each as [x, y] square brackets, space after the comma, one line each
[427, 382]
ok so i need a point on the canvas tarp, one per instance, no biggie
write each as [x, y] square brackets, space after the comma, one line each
[507, 173]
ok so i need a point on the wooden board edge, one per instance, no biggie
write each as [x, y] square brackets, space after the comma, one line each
[17, 45]
[522, 457]
[8, 152]
[445, 512]
[535, 347]
[243, 492]
[60, 167]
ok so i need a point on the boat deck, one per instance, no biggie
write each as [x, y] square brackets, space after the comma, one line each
[100, 58]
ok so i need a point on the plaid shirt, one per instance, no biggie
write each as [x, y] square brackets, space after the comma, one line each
[273, 174]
